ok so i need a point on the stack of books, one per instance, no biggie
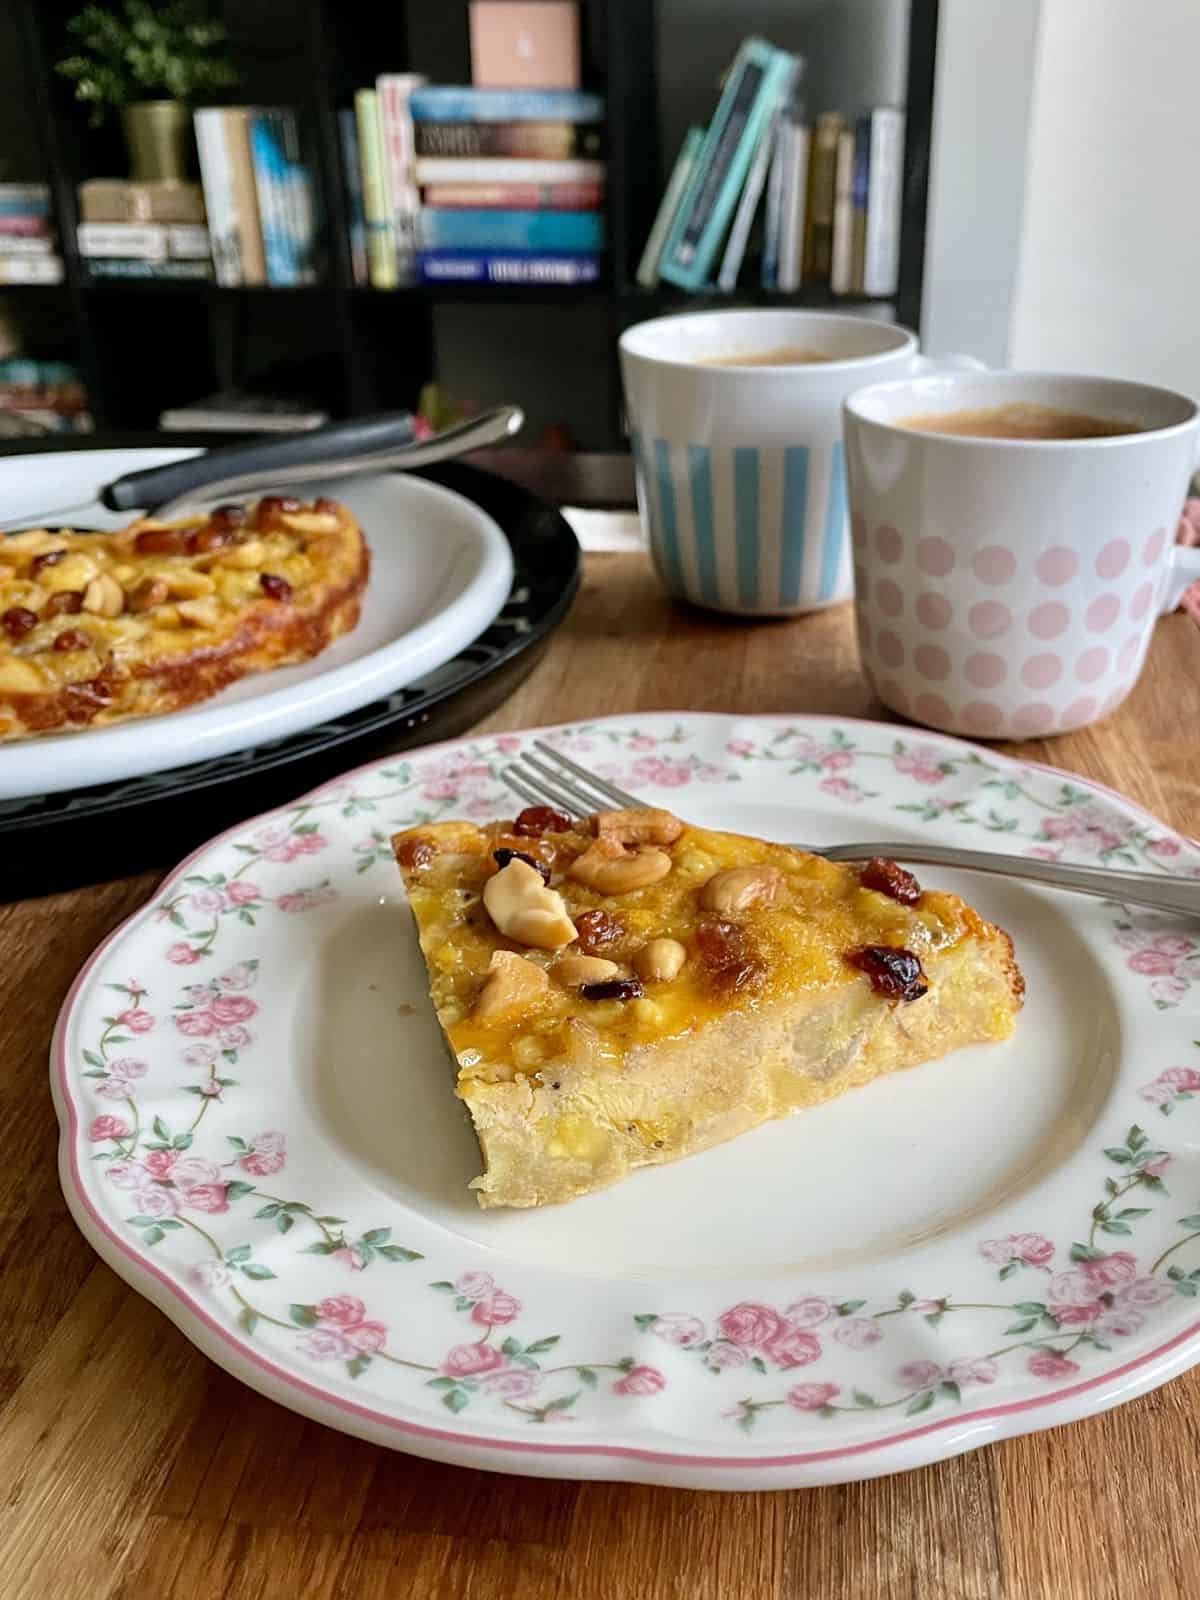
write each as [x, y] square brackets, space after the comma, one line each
[49, 394]
[475, 185]
[823, 202]
[259, 194]
[145, 249]
[28, 252]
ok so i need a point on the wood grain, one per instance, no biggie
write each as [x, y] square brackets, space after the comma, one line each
[133, 1468]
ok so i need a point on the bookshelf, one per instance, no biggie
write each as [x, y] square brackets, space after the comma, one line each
[143, 345]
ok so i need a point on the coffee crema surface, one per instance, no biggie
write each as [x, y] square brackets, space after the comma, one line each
[786, 356]
[1022, 419]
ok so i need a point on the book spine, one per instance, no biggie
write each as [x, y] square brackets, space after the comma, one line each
[352, 177]
[24, 227]
[788, 274]
[106, 267]
[841, 264]
[236, 126]
[881, 256]
[743, 221]
[516, 196]
[218, 196]
[18, 244]
[440, 104]
[755, 83]
[298, 217]
[792, 244]
[469, 266]
[506, 169]
[549, 141]
[381, 242]
[859, 194]
[551, 232]
[129, 240]
[188, 241]
[681, 176]
[31, 269]
[394, 93]
[262, 149]
[773, 213]
[822, 177]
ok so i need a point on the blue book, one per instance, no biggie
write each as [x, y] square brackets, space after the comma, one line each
[544, 231]
[757, 81]
[505, 105]
[356, 216]
[267, 146]
[489, 266]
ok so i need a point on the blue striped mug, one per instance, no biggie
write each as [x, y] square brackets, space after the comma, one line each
[736, 426]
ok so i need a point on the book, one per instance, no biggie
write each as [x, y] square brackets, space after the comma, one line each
[24, 200]
[143, 241]
[743, 219]
[393, 94]
[183, 271]
[881, 253]
[352, 176]
[841, 258]
[132, 241]
[681, 174]
[285, 198]
[442, 104]
[129, 200]
[758, 78]
[377, 206]
[551, 232]
[26, 244]
[773, 211]
[236, 122]
[792, 205]
[858, 198]
[505, 169]
[30, 269]
[470, 266]
[822, 175]
[548, 141]
[23, 226]
[217, 176]
[234, 411]
[516, 196]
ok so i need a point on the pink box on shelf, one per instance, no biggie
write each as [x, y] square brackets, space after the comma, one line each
[525, 44]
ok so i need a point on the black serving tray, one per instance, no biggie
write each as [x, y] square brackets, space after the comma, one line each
[79, 836]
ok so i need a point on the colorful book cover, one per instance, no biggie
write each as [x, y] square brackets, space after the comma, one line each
[550, 141]
[377, 205]
[822, 179]
[352, 176]
[759, 77]
[24, 226]
[859, 194]
[443, 104]
[516, 196]
[268, 144]
[469, 266]
[743, 220]
[506, 169]
[104, 267]
[394, 92]
[552, 232]
[681, 173]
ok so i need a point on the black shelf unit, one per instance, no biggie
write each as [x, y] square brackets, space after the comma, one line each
[145, 344]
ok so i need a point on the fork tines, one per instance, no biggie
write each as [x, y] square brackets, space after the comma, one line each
[558, 781]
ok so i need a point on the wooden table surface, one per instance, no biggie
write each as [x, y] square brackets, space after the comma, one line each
[132, 1467]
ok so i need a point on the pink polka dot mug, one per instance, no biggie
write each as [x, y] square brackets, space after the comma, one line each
[1008, 588]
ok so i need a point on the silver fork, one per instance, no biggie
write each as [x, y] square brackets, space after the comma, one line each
[550, 778]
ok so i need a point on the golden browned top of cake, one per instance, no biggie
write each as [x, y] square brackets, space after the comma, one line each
[81, 614]
[645, 928]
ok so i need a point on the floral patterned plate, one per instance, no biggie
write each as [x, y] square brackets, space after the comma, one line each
[259, 1134]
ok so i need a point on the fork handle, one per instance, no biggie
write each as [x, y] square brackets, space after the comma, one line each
[1178, 895]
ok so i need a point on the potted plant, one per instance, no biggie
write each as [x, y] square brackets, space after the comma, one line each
[148, 61]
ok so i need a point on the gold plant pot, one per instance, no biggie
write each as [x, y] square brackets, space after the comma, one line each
[158, 133]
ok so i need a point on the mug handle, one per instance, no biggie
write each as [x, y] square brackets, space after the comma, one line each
[925, 366]
[1183, 571]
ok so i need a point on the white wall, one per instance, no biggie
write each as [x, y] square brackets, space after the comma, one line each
[983, 94]
[1109, 276]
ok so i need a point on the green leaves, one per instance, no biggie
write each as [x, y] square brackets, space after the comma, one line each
[1084, 1252]
[303, 1316]
[247, 1319]
[357, 1365]
[920, 1402]
[643, 1320]
[456, 1400]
